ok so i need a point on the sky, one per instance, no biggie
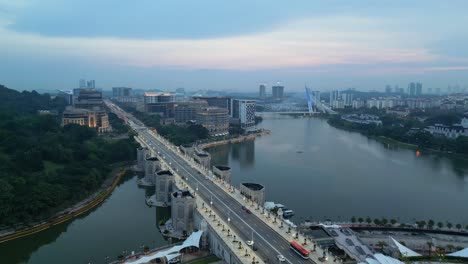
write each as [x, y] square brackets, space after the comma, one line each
[233, 45]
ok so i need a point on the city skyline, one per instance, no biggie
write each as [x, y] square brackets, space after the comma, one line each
[171, 45]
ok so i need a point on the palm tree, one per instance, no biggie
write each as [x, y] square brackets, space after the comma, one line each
[449, 225]
[440, 225]
[384, 221]
[429, 244]
[381, 244]
[450, 247]
[430, 224]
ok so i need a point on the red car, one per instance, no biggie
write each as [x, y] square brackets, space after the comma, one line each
[248, 211]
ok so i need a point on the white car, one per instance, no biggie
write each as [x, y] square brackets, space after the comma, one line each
[281, 258]
[249, 243]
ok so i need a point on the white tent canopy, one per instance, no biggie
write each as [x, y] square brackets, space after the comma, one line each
[462, 253]
[192, 241]
[404, 250]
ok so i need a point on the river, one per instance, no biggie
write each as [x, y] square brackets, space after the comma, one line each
[318, 171]
[122, 223]
[326, 173]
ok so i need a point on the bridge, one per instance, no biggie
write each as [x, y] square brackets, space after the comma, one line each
[271, 239]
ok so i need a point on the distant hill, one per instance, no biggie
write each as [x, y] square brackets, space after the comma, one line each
[13, 101]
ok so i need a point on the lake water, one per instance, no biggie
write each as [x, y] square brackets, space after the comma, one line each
[325, 173]
[122, 223]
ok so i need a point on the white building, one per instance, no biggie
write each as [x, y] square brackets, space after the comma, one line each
[243, 111]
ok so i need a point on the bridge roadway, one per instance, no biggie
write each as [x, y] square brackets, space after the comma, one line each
[269, 242]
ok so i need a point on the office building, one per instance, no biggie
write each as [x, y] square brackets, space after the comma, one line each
[347, 98]
[159, 103]
[262, 91]
[82, 83]
[66, 95]
[418, 89]
[243, 112]
[164, 184]
[277, 92]
[182, 209]
[122, 92]
[215, 120]
[412, 89]
[217, 101]
[334, 95]
[87, 98]
[187, 111]
[388, 89]
[90, 84]
[97, 119]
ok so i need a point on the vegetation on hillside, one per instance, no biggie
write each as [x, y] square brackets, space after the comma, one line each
[44, 167]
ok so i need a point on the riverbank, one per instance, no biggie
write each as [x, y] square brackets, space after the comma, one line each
[394, 142]
[238, 139]
[78, 209]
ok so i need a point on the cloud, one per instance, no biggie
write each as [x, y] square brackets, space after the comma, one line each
[302, 43]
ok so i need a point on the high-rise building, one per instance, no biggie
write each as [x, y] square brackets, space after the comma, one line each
[262, 91]
[277, 92]
[388, 89]
[244, 112]
[418, 89]
[412, 89]
[121, 92]
[215, 119]
[90, 84]
[347, 98]
[82, 83]
[334, 95]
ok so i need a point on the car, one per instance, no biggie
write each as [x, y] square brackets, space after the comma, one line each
[281, 258]
[243, 207]
[249, 242]
[254, 248]
[248, 211]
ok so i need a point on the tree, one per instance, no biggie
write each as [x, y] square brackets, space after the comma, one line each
[449, 225]
[440, 225]
[421, 224]
[458, 226]
[381, 244]
[466, 227]
[450, 247]
[384, 221]
[393, 221]
[429, 245]
[430, 224]
[360, 220]
[368, 220]
[353, 219]
[377, 221]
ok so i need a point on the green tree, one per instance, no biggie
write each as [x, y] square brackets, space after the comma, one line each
[449, 225]
[458, 226]
[440, 225]
[360, 220]
[430, 224]
[377, 221]
[353, 219]
[393, 221]
[368, 220]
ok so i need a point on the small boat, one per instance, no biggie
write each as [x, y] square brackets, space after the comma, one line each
[288, 213]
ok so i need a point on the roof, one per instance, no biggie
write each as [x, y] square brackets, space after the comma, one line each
[157, 94]
[404, 250]
[462, 253]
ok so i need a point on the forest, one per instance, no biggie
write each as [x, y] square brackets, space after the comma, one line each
[44, 167]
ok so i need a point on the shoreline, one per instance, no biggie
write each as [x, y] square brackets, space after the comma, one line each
[387, 140]
[99, 197]
[235, 140]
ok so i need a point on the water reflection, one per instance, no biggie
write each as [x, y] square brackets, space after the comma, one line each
[326, 173]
